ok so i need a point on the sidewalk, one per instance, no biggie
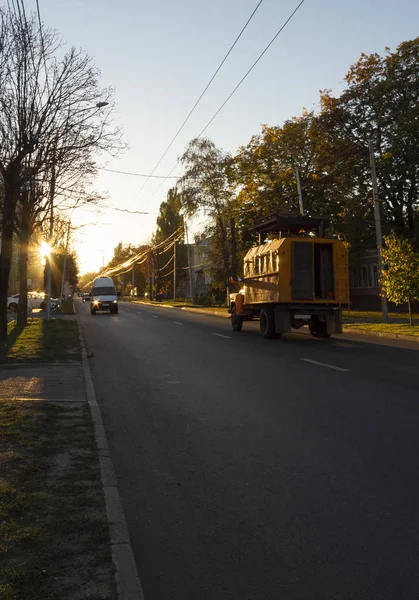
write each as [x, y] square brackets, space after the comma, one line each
[62, 526]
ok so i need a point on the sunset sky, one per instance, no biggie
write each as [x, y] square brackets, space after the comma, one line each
[160, 55]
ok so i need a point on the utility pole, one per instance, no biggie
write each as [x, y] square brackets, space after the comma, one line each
[189, 263]
[149, 275]
[174, 270]
[152, 277]
[300, 195]
[51, 233]
[132, 279]
[378, 234]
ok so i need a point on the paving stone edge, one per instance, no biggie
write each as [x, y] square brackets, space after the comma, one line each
[128, 584]
[383, 334]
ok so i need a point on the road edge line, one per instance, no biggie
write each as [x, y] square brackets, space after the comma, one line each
[128, 584]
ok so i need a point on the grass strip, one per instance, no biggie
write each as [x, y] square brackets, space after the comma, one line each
[359, 316]
[43, 341]
[54, 540]
[67, 307]
[399, 328]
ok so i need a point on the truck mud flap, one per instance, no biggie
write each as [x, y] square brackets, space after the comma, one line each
[282, 321]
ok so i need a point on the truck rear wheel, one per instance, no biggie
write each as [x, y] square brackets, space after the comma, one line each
[267, 323]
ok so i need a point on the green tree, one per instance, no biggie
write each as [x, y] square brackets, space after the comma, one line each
[169, 221]
[57, 265]
[381, 102]
[207, 187]
[125, 276]
[86, 279]
[328, 168]
[400, 279]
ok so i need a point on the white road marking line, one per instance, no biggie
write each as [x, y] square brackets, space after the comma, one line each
[223, 336]
[316, 362]
[177, 323]
[154, 316]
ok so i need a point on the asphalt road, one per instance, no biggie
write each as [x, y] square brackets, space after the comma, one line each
[260, 469]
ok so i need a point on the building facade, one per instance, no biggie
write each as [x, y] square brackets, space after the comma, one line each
[198, 281]
[364, 284]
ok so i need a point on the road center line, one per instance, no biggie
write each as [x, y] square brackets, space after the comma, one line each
[154, 316]
[316, 362]
[221, 335]
[177, 323]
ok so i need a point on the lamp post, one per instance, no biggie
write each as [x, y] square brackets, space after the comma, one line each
[51, 233]
[98, 105]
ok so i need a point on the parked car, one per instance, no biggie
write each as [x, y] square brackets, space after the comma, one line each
[87, 297]
[35, 300]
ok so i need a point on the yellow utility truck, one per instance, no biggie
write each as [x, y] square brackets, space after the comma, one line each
[299, 277]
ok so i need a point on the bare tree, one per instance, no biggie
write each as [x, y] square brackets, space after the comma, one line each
[34, 211]
[53, 115]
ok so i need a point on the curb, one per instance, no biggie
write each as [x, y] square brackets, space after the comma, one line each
[202, 311]
[34, 363]
[383, 334]
[206, 311]
[128, 584]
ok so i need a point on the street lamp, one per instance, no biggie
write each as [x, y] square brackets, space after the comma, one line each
[98, 105]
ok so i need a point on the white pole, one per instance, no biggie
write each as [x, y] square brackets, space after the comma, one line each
[189, 263]
[174, 270]
[378, 233]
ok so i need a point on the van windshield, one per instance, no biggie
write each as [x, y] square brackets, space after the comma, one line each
[104, 291]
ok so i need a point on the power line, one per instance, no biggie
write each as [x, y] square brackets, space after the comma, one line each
[252, 67]
[137, 174]
[133, 212]
[200, 97]
[127, 264]
[237, 87]
[42, 44]
[166, 265]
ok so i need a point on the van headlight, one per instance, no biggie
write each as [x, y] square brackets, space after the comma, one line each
[95, 301]
[115, 301]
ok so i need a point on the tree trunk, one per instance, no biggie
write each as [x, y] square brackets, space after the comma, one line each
[409, 305]
[9, 208]
[25, 234]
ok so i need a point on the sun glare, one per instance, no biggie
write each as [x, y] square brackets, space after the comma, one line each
[45, 249]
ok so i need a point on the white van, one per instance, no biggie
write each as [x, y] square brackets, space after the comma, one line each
[103, 296]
